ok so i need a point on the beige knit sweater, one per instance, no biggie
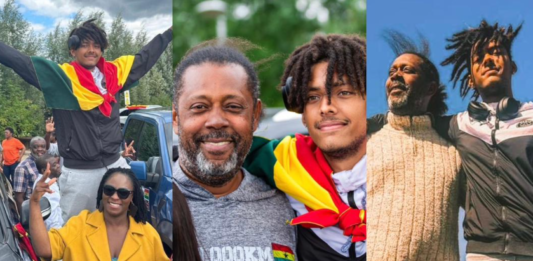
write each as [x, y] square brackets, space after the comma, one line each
[413, 191]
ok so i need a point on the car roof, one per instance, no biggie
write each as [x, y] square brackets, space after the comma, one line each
[164, 113]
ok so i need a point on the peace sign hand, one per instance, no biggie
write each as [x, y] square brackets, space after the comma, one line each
[42, 186]
[129, 151]
[50, 127]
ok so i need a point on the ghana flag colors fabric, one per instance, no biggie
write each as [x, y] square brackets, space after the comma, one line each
[72, 87]
[282, 253]
[297, 167]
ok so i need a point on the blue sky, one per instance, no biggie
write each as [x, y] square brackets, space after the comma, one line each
[438, 20]
[155, 16]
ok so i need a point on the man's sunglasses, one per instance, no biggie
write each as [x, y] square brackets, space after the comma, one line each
[121, 192]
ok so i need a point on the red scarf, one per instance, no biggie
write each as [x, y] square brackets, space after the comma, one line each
[351, 221]
[111, 83]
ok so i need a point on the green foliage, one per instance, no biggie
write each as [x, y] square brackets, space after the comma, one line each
[22, 106]
[277, 26]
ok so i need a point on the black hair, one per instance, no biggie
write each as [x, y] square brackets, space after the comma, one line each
[345, 54]
[42, 161]
[216, 54]
[10, 130]
[470, 41]
[138, 195]
[185, 239]
[90, 31]
[403, 44]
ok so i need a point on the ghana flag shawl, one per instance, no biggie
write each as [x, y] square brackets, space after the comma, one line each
[72, 87]
[297, 167]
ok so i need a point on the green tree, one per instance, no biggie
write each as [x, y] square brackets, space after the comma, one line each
[19, 102]
[277, 26]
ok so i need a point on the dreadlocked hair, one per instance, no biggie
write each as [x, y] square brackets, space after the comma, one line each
[345, 54]
[471, 41]
[90, 31]
[403, 44]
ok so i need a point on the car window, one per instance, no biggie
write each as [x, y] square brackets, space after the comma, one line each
[149, 145]
[132, 132]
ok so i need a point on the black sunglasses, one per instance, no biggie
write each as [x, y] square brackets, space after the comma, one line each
[121, 192]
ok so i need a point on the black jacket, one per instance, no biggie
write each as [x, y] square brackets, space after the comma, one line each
[498, 162]
[88, 139]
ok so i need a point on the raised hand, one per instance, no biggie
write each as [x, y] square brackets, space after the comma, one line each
[42, 186]
[129, 151]
[50, 127]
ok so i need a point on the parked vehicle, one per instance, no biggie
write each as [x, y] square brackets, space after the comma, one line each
[124, 112]
[152, 164]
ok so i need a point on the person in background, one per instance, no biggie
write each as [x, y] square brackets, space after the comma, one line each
[26, 173]
[54, 220]
[13, 150]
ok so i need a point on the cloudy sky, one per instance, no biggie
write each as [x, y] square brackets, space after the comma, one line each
[154, 15]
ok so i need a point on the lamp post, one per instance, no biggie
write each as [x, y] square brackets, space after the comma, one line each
[215, 9]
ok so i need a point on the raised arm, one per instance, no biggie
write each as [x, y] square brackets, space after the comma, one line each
[39, 236]
[20, 63]
[148, 56]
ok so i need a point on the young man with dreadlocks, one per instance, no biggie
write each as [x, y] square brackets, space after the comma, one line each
[413, 181]
[83, 97]
[323, 174]
[495, 140]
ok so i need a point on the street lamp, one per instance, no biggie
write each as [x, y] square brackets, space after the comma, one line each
[215, 9]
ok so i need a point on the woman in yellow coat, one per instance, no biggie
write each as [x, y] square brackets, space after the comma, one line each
[116, 231]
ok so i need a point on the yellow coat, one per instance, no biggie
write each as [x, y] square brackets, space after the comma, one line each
[84, 238]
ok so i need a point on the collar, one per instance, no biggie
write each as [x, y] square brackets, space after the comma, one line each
[350, 180]
[99, 242]
[96, 72]
[414, 123]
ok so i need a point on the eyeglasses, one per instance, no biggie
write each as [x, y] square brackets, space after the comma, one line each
[121, 192]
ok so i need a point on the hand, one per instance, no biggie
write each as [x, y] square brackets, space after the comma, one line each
[42, 186]
[50, 127]
[129, 151]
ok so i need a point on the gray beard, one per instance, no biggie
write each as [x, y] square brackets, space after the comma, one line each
[206, 172]
[408, 104]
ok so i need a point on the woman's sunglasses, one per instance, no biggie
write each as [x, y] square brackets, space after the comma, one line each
[121, 192]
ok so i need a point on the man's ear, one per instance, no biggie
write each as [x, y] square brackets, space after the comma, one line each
[175, 121]
[72, 52]
[257, 114]
[515, 68]
[433, 87]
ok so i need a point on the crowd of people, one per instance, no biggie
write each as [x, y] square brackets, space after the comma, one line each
[97, 203]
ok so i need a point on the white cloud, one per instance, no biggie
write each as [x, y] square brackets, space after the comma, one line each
[63, 10]
[152, 26]
[38, 28]
[50, 8]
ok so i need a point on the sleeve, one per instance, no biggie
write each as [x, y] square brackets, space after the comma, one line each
[159, 251]
[19, 181]
[19, 145]
[462, 188]
[20, 63]
[147, 57]
[260, 160]
[375, 123]
[442, 126]
[60, 237]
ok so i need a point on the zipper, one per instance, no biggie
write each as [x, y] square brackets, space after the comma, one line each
[498, 181]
